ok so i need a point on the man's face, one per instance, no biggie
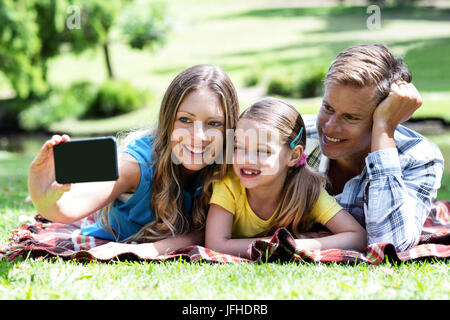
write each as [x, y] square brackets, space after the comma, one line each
[345, 121]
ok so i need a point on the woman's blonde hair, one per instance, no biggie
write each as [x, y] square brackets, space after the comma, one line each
[302, 186]
[167, 194]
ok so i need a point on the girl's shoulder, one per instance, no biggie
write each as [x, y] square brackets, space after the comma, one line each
[231, 180]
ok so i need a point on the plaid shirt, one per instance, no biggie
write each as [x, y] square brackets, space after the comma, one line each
[403, 182]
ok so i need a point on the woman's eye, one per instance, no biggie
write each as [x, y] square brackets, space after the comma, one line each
[185, 120]
[215, 124]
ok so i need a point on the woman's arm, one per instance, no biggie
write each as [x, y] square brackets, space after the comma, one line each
[218, 233]
[150, 250]
[348, 234]
[68, 203]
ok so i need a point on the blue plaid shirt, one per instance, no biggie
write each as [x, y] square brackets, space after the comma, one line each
[403, 183]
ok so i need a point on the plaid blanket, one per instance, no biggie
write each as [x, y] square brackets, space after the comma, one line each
[42, 238]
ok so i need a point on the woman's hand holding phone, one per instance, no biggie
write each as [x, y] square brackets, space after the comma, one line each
[42, 185]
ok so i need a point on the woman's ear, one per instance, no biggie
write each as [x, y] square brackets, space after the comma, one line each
[295, 155]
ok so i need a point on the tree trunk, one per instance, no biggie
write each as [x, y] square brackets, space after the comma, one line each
[108, 60]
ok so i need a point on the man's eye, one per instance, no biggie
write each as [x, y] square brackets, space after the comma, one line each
[349, 117]
[327, 108]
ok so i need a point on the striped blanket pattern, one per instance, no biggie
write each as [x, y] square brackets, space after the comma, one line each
[44, 239]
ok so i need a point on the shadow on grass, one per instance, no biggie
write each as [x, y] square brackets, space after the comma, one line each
[345, 18]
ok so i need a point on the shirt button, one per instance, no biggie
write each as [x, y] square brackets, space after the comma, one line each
[371, 165]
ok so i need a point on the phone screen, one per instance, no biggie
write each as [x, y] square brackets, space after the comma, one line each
[86, 160]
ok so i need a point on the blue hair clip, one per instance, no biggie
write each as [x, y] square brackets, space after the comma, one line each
[294, 142]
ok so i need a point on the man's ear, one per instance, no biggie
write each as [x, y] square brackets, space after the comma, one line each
[295, 155]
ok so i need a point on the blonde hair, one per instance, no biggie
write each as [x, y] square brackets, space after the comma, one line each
[302, 186]
[166, 198]
[368, 65]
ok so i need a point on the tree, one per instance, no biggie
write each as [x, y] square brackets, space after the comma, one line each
[33, 31]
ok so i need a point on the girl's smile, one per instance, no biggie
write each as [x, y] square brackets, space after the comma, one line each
[249, 173]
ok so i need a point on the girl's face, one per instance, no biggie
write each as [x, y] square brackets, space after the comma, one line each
[199, 129]
[260, 159]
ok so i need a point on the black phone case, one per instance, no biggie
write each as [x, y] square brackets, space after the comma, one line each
[86, 160]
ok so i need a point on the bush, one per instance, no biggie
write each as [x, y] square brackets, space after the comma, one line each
[115, 97]
[252, 78]
[312, 85]
[299, 86]
[57, 105]
[281, 86]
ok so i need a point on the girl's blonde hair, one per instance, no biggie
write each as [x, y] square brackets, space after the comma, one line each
[167, 194]
[302, 186]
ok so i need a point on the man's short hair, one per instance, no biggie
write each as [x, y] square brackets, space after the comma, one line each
[368, 65]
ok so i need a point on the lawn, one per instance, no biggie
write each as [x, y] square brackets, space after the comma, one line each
[253, 35]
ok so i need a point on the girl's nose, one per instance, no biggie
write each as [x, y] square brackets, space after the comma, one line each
[251, 158]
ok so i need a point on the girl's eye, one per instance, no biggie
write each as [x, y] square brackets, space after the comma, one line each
[265, 153]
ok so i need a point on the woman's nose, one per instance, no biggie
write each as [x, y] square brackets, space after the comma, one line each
[199, 132]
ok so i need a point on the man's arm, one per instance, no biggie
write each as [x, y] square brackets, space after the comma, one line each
[399, 197]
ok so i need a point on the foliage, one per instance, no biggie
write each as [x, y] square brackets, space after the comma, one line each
[281, 85]
[58, 105]
[145, 24]
[253, 77]
[20, 47]
[116, 97]
[311, 85]
[301, 85]
[34, 31]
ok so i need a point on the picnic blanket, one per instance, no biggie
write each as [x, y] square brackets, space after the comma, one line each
[43, 238]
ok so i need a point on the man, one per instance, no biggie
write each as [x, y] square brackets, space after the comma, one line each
[384, 174]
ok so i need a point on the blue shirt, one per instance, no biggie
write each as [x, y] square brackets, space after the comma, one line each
[127, 218]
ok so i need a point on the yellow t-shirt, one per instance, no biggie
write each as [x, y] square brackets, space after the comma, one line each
[231, 195]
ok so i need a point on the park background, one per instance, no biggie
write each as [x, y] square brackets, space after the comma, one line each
[54, 78]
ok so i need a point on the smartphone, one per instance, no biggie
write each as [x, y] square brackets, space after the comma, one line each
[86, 160]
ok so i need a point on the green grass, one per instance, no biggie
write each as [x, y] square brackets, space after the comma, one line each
[58, 279]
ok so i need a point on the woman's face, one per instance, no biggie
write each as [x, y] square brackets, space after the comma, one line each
[344, 123]
[260, 160]
[199, 128]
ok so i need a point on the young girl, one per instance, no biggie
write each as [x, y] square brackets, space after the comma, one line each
[166, 175]
[271, 186]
